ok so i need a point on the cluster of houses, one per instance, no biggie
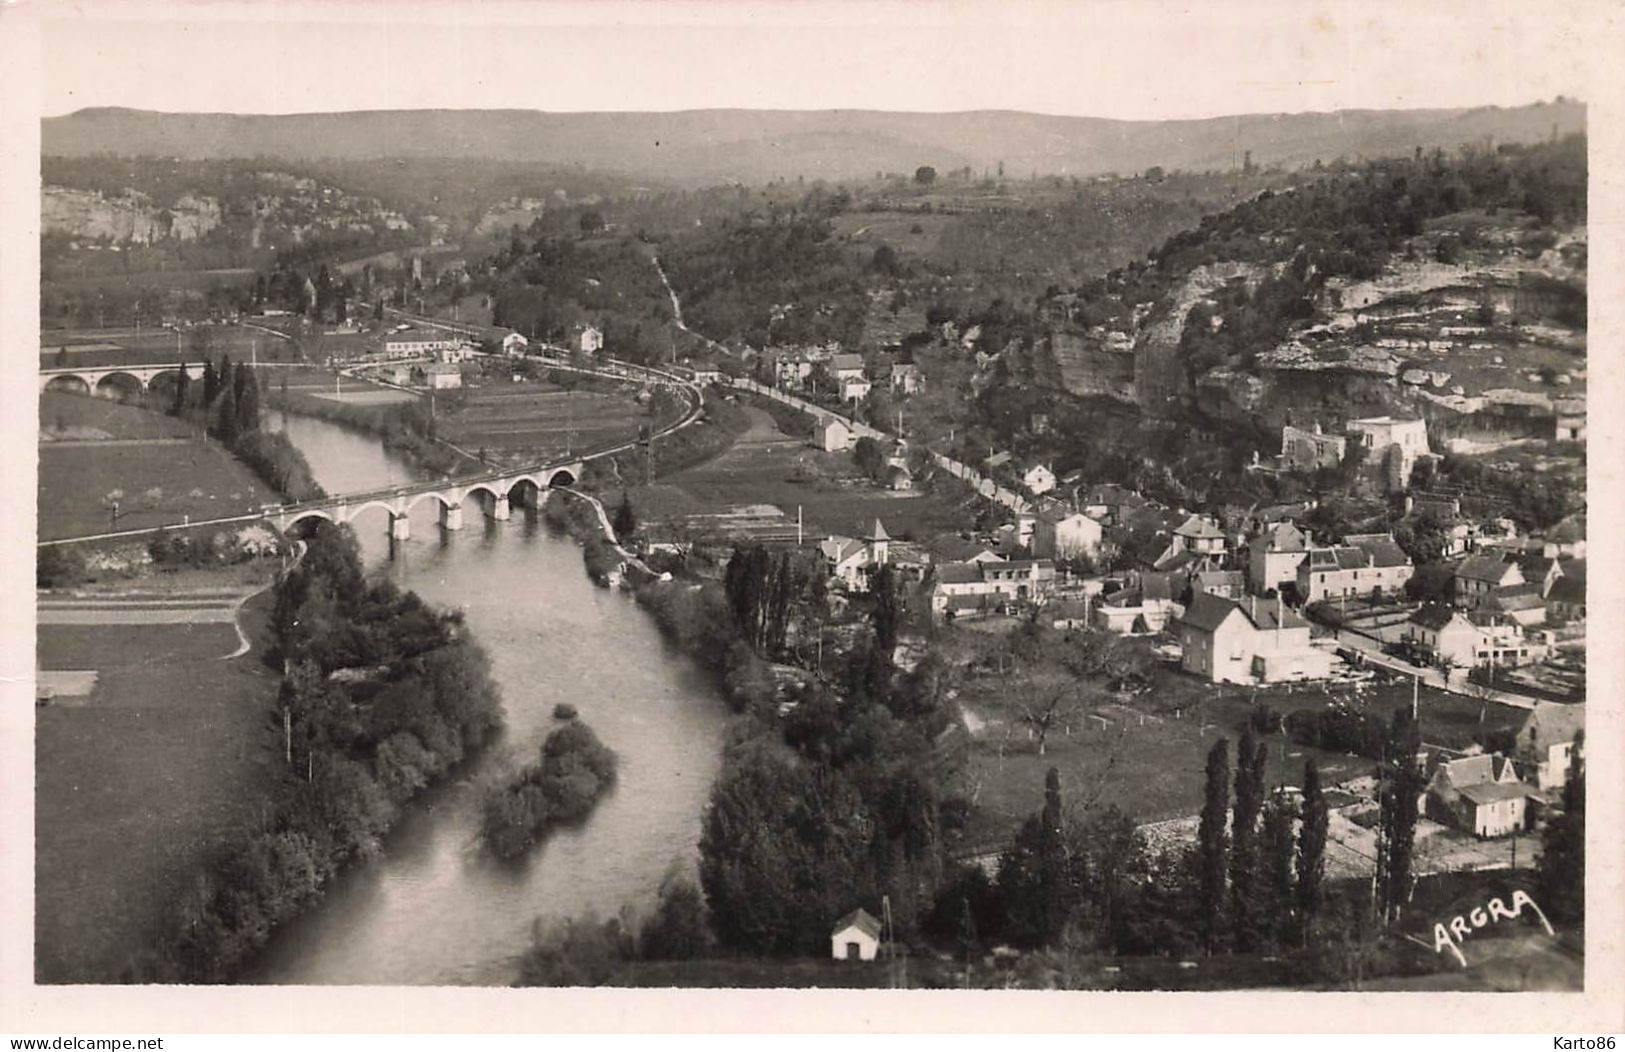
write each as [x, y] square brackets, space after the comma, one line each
[1494, 795]
[799, 369]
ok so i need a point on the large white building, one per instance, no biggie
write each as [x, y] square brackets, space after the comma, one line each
[1253, 641]
[1063, 534]
[1377, 433]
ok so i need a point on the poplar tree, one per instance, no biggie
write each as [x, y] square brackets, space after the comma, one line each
[1402, 785]
[211, 384]
[1250, 756]
[1211, 844]
[1311, 851]
[1275, 847]
[181, 384]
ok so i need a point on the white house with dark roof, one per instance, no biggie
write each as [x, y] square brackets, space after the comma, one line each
[846, 366]
[1545, 742]
[1479, 577]
[1201, 535]
[1252, 641]
[982, 586]
[856, 937]
[1273, 556]
[851, 559]
[1146, 607]
[1062, 533]
[1481, 795]
[1038, 479]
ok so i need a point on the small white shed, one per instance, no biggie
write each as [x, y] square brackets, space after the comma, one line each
[832, 436]
[856, 937]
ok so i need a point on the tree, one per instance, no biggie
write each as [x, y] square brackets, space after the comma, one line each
[1311, 850]
[1561, 878]
[1211, 844]
[887, 616]
[211, 384]
[1033, 874]
[591, 221]
[678, 930]
[1402, 785]
[1275, 848]
[181, 383]
[870, 456]
[1244, 863]
[925, 175]
[225, 427]
[625, 522]
[248, 402]
[1046, 702]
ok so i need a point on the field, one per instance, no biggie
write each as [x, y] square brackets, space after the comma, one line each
[766, 475]
[163, 479]
[1146, 754]
[530, 421]
[135, 785]
[86, 348]
[70, 417]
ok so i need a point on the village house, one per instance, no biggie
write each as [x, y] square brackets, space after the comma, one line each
[1544, 742]
[1201, 535]
[846, 367]
[854, 388]
[442, 376]
[856, 937]
[1378, 433]
[1110, 503]
[1455, 640]
[463, 351]
[851, 559]
[514, 344]
[1060, 533]
[790, 369]
[1226, 584]
[1520, 604]
[1038, 479]
[832, 435]
[1366, 564]
[590, 339]
[418, 343]
[1481, 795]
[983, 586]
[1143, 608]
[1480, 577]
[1273, 557]
[1567, 599]
[1311, 450]
[905, 377]
[1445, 633]
[1252, 641]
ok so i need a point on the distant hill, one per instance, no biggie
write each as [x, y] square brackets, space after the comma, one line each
[752, 146]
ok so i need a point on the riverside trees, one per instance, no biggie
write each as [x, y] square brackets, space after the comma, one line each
[353, 749]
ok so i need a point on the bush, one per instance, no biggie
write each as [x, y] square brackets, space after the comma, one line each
[564, 711]
[574, 770]
[57, 566]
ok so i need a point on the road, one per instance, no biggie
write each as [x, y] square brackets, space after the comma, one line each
[1372, 651]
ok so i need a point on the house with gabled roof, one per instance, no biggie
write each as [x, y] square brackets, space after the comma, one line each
[1480, 794]
[1479, 577]
[850, 559]
[1567, 599]
[1273, 556]
[1145, 607]
[856, 937]
[1062, 533]
[1228, 584]
[1545, 742]
[1251, 641]
[1200, 534]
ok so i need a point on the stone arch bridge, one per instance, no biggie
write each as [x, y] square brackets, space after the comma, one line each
[103, 379]
[495, 494]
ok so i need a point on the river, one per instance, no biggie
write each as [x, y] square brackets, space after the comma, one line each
[435, 908]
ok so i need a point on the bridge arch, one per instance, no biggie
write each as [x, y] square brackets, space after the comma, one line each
[525, 491]
[561, 477]
[121, 385]
[307, 520]
[416, 499]
[486, 488]
[355, 511]
[69, 383]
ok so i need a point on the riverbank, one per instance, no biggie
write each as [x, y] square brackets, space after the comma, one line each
[406, 429]
[243, 822]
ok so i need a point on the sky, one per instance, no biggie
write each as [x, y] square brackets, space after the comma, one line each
[1128, 60]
